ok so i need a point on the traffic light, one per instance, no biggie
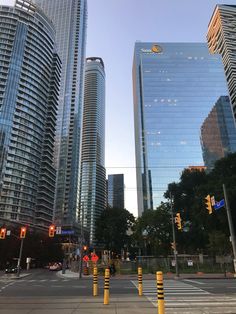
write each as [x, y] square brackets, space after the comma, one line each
[208, 204]
[85, 247]
[22, 232]
[3, 233]
[51, 231]
[178, 221]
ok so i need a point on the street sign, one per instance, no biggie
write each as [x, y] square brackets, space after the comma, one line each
[219, 204]
[190, 262]
[94, 257]
[86, 258]
[67, 232]
[58, 230]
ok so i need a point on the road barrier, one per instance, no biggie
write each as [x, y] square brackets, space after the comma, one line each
[95, 281]
[86, 271]
[140, 281]
[160, 293]
[106, 286]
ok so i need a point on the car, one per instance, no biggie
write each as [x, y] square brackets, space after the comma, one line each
[55, 266]
[11, 270]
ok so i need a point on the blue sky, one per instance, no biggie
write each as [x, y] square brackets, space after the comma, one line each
[113, 28]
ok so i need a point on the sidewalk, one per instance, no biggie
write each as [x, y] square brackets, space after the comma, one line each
[70, 274]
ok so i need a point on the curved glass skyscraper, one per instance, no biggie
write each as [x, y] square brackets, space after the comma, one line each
[93, 176]
[29, 86]
[70, 20]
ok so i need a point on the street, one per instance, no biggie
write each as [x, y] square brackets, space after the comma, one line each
[44, 292]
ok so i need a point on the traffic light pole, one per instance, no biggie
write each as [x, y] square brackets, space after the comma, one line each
[174, 238]
[81, 242]
[19, 259]
[231, 226]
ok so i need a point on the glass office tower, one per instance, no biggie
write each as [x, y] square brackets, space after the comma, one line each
[175, 85]
[29, 89]
[70, 19]
[221, 38]
[93, 175]
[115, 191]
[218, 133]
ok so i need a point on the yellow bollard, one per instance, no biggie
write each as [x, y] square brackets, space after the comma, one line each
[160, 293]
[140, 281]
[106, 286]
[95, 281]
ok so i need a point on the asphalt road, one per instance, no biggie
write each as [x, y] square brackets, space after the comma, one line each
[44, 292]
[42, 283]
[215, 286]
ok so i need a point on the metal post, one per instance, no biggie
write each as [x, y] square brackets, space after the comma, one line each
[19, 259]
[231, 226]
[81, 241]
[140, 281]
[95, 281]
[106, 287]
[160, 293]
[174, 238]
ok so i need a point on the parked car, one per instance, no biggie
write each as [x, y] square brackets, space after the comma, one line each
[11, 270]
[55, 266]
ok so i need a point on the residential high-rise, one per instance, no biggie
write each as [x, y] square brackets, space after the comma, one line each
[175, 85]
[70, 20]
[93, 174]
[218, 133]
[29, 89]
[221, 38]
[115, 191]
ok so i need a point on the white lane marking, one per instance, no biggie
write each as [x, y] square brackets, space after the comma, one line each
[195, 281]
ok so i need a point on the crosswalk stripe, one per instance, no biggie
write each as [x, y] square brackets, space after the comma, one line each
[181, 294]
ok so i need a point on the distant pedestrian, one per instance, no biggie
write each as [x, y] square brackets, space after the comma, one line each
[112, 269]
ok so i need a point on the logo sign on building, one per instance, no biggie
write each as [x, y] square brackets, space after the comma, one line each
[154, 49]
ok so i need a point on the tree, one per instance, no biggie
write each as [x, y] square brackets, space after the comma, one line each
[152, 231]
[189, 199]
[112, 229]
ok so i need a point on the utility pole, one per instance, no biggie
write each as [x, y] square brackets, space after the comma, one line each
[231, 226]
[81, 241]
[19, 259]
[174, 238]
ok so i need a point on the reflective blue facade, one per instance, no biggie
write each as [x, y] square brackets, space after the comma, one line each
[175, 85]
[218, 133]
[115, 191]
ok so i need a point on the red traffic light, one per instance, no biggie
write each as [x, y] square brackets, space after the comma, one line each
[3, 233]
[51, 231]
[85, 247]
[22, 232]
